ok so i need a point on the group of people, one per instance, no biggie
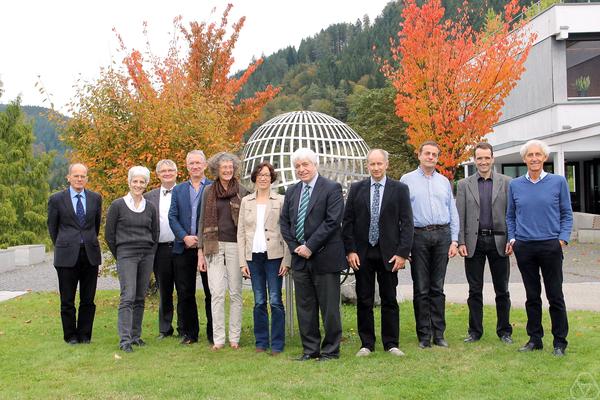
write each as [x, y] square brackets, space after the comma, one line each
[226, 234]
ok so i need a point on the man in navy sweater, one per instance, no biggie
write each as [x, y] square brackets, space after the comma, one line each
[539, 220]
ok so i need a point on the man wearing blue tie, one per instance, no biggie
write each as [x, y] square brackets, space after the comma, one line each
[378, 234]
[74, 217]
[311, 226]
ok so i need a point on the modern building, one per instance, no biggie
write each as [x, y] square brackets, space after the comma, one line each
[342, 152]
[557, 100]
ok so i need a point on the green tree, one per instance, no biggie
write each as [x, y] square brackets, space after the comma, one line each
[23, 181]
[372, 115]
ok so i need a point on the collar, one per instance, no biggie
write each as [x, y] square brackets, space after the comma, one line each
[481, 177]
[422, 173]
[131, 204]
[162, 189]
[542, 176]
[74, 193]
[252, 196]
[382, 181]
[312, 182]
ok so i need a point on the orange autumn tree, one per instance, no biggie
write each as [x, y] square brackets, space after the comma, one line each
[151, 107]
[451, 81]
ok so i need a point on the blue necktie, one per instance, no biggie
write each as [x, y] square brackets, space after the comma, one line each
[374, 224]
[80, 211]
[302, 214]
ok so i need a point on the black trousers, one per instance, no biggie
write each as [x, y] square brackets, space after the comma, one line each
[428, 271]
[500, 269]
[316, 292]
[164, 273]
[186, 265]
[545, 256]
[365, 296]
[86, 275]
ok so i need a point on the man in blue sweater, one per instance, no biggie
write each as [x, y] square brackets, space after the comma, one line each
[539, 220]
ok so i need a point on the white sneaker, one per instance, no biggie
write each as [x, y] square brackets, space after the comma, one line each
[363, 352]
[396, 352]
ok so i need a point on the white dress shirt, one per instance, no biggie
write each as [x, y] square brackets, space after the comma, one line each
[164, 203]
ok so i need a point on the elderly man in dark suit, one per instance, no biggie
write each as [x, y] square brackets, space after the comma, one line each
[164, 267]
[378, 233]
[481, 202]
[183, 220]
[311, 226]
[73, 223]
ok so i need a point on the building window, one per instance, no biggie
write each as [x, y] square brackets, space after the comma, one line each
[583, 68]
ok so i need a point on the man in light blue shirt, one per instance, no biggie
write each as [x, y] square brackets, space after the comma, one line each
[435, 241]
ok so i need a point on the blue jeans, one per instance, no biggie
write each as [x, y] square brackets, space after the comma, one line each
[264, 274]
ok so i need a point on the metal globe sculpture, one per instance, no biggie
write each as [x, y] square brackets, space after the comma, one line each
[342, 152]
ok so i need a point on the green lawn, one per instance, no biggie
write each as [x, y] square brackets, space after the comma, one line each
[35, 362]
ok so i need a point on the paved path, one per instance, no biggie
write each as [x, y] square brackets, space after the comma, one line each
[581, 277]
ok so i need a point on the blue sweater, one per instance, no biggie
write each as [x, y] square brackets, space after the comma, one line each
[539, 211]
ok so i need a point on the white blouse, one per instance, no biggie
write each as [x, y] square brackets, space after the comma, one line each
[259, 244]
[131, 204]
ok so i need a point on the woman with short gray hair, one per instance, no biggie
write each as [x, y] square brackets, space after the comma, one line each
[217, 241]
[131, 234]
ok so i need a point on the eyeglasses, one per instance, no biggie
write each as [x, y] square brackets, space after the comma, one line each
[264, 176]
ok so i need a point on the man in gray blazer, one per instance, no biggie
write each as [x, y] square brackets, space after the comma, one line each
[481, 201]
[164, 268]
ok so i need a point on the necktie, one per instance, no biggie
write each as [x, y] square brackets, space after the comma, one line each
[302, 214]
[374, 224]
[166, 191]
[79, 211]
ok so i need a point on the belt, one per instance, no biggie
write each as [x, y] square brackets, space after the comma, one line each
[170, 244]
[490, 232]
[431, 227]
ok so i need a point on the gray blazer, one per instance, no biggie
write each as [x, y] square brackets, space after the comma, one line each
[467, 202]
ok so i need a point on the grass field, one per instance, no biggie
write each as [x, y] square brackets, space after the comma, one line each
[35, 363]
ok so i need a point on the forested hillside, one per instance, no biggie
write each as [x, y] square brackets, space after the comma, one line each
[46, 140]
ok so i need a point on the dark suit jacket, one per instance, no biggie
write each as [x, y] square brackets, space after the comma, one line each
[66, 233]
[322, 230]
[467, 203]
[180, 213]
[395, 220]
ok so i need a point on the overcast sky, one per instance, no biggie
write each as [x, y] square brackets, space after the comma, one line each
[60, 40]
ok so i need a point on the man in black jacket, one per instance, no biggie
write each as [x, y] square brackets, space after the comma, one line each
[73, 223]
[311, 226]
[378, 233]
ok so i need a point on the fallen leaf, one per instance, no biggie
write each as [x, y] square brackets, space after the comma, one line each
[1, 333]
[117, 357]
[28, 321]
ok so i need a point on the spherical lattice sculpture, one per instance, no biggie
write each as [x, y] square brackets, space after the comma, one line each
[342, 152]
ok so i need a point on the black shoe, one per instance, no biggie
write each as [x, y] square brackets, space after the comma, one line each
[471, 339]
[72, 341]
[423, 344]
[306, 357]
[559, 352]
[126, 348]
[162, 336]
[530, 346]
[441, 342]
[188, 340]
[506, 339]
[138, 342]
[327, 357]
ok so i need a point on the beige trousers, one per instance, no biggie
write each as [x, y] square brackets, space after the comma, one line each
[224, 272]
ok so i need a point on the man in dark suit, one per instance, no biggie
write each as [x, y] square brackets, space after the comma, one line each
[183, 220]
[378, 233]
[164, 267]
[73, 223]
[481, 202]
[311, 226]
